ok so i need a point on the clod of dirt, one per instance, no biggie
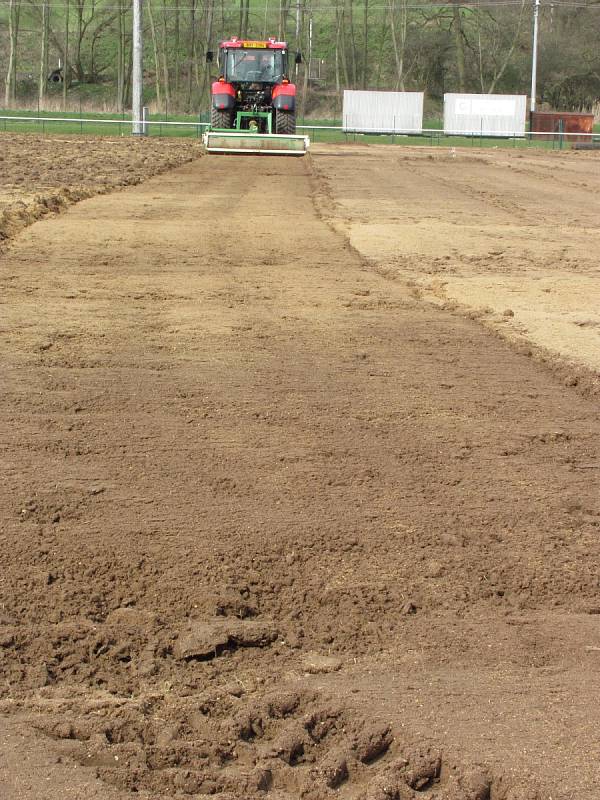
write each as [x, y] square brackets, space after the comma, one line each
[38, 676]
[404, 777]
[249, 726]
[434, 569]
[331, 771]
[282, 705]
[289, 745]
[421, 773]
[58, 728]
[233, 604]
[146, 665]
[261, 778]
[188, 782]
[372, 742]
[475, 783]
[320, 724]
[167, 735]
[424, 768]
[315, 664]
[207, 639]
[389, 784]
[409, 608]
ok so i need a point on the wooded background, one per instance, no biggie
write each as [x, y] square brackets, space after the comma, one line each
[354, 44]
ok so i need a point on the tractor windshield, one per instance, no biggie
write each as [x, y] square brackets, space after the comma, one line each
[250, 66]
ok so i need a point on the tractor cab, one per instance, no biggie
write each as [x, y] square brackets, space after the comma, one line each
[251, 65]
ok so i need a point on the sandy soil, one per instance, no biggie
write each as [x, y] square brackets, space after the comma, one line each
[512, 236]
[272, 526]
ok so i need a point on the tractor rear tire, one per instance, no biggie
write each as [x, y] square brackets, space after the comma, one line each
[285, 122]
[221, 119]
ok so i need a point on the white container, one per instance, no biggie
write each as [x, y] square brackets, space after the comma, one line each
[382, 112]
[485, 114]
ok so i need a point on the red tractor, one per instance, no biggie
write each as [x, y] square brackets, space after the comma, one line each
[253, 92]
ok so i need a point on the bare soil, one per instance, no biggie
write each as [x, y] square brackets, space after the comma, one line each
[41, 175]
[512, 237]
[273, 526]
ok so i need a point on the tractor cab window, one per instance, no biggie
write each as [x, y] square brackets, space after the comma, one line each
[261, 66]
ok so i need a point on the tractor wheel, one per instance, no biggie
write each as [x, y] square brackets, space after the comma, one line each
[220, 119]
[285, 122]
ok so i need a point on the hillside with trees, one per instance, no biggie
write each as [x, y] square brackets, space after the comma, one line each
[60, 53]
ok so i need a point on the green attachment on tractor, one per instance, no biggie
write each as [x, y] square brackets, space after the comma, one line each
[253, 117]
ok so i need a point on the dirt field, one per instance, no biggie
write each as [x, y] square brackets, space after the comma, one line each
[511, 237]
[41, 175]
[274, 525]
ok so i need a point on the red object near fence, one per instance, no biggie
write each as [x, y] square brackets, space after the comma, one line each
[573, 125]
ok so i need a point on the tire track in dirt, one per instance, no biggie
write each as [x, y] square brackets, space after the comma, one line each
[244, 474]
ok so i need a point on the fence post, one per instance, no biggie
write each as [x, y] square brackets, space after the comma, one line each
[561, 128]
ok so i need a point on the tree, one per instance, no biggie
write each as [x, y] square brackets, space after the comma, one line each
[10, 85]
[66, 66]
[121, 56]
[43, 73]
[155, 52]
[396, 44]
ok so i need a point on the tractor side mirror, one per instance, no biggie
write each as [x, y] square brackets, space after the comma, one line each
[209, 56]
[298, 59]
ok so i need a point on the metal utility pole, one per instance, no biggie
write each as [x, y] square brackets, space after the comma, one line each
[536, 13]
[137, 73]
[298, 48]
